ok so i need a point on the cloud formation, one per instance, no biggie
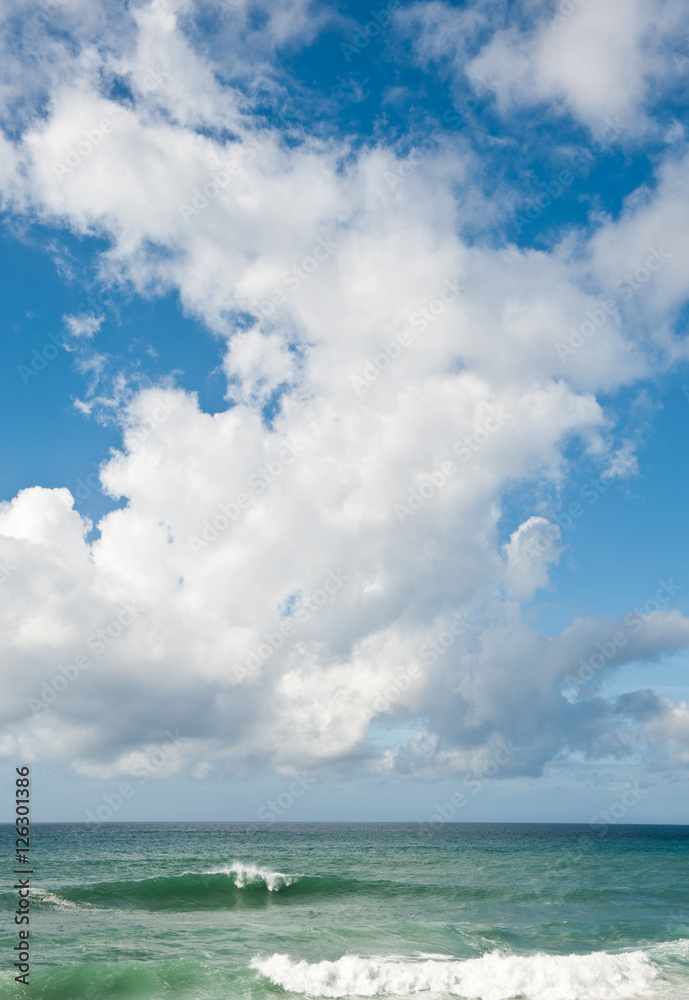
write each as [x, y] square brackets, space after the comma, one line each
[605, 63]
[260, 591]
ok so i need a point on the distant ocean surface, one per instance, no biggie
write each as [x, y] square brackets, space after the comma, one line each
[227, 911]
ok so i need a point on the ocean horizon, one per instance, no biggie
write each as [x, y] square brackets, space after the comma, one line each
[482, 911]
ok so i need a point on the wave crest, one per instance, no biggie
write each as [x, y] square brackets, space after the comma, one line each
[245, 875]
[494, 976]
[56, 902]
[237, 884]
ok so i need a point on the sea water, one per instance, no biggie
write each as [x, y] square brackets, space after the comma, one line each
[226, 911]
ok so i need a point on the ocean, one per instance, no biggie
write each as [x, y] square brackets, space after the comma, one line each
[226, 911]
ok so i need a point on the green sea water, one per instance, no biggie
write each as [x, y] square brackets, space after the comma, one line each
[222, 911]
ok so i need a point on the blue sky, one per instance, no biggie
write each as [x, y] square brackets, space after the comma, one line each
[232, 439]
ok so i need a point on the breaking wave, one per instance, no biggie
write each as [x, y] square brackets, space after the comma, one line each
[237, 884]
[245, 875]
[494, 976]
[54, 901]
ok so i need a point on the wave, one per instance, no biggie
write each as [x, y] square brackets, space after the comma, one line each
[494, 976]
[127, 979]
[251, 875]
[54, 901]
[236, 884]
[241, 883]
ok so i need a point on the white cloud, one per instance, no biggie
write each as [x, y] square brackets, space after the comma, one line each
[531, 548]
[234, 524]
[623, 463]
[442, 33]
[603, 61]
[85, 325]
[259, 364]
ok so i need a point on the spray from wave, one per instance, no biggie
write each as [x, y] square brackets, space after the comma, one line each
[244, 875]
[52, 900]
[494, 976]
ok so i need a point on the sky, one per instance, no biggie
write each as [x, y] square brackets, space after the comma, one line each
[345, 403]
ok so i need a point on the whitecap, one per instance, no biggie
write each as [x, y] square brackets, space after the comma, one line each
[494, 976]
[56, 901]
[250, 874]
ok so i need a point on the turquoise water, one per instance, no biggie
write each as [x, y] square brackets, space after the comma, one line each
[222, 911]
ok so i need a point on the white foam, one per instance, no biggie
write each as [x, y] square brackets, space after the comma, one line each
[57, 902]
[494, 976]
[248, 874]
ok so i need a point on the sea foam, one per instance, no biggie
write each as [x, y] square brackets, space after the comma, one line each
[244, 875]
[494, 976]
[55, 901]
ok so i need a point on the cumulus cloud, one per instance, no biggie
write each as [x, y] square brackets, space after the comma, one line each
[531, 548]
[607, 64]
[258, 590]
